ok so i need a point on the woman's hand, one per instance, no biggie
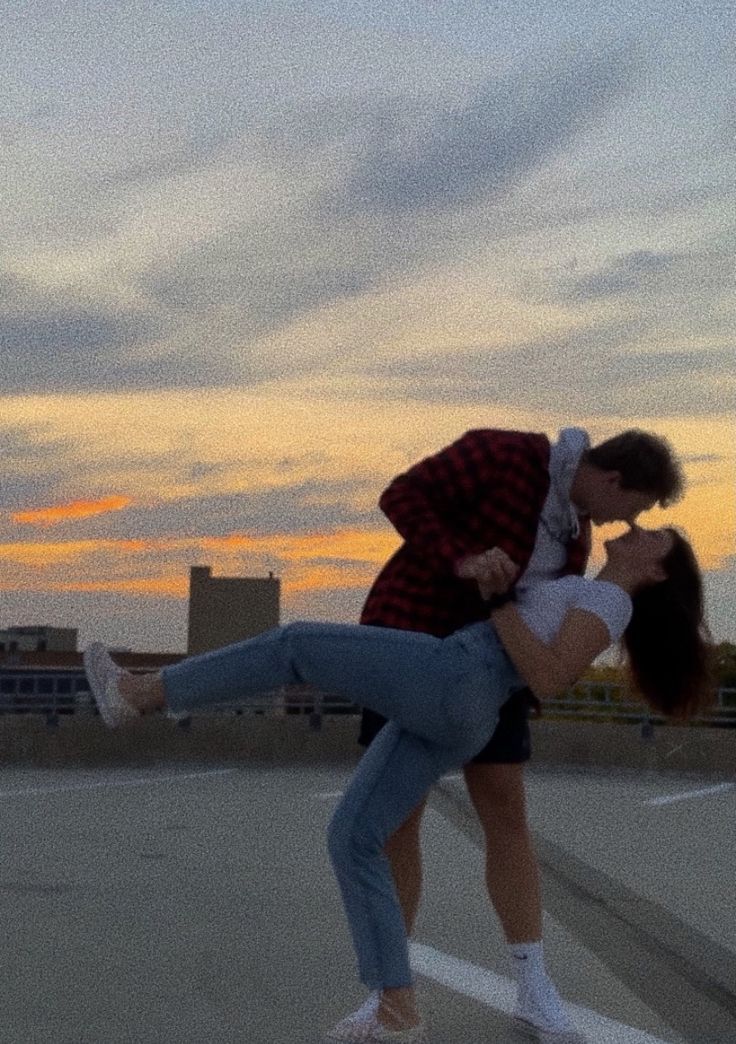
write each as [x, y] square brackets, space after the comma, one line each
[493, 570]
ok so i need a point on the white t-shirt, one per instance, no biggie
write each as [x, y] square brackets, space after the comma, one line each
[543, 606]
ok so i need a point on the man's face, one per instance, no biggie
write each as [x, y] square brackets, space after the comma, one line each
[608, 502]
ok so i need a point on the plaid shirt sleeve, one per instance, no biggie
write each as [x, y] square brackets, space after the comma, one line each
[490, 476]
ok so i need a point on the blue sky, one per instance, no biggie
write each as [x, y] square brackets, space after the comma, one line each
[256, 258]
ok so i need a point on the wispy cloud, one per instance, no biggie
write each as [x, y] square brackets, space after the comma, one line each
[63, 347]
[650, 278]
[397, 169]
[259, 257]
[475, 148]
[630, 273]
[597, 368]
[49, 554]
[72, 511]
[149, 586]
[305, 560]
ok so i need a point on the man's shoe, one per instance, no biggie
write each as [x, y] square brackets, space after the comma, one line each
[544, 1012]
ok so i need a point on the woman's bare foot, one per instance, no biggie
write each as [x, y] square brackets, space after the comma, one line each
[143, 692]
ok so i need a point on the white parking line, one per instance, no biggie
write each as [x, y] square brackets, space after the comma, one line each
[685, 795]
[144, 781]
[499, 993]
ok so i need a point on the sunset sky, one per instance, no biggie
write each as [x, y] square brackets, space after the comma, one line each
[257, 258]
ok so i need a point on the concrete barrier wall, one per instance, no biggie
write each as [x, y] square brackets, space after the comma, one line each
[705, 751]
[79, 741]
[86, 741]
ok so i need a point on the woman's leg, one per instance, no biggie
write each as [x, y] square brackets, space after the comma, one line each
[443, 700]
[390, 781]
[433, 688]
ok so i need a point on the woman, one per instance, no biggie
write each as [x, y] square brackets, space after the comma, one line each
[442, 698]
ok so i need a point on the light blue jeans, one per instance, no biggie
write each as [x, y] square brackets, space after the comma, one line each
[442, 697]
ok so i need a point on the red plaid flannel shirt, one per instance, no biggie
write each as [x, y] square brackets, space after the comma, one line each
[485, 490]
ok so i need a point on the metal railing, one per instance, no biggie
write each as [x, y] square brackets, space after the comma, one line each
[596, 701]
[64, 694]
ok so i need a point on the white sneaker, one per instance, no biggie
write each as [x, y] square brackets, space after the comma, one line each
[103, 675]
[370, 1031]
[544, 1010]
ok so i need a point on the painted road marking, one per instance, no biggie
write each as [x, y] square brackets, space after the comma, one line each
[499, 993]
[685, 795]
[140, 782]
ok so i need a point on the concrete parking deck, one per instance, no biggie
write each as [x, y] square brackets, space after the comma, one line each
[179, 903]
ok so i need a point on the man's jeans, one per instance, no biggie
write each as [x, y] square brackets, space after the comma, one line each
[442, 698]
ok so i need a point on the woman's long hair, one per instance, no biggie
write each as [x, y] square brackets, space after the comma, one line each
[667, 641]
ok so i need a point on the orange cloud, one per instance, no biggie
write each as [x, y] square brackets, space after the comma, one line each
[306, 562]
[160, 586]
[43, 555]
[348, 558]
[53, 516]
[328, 578]
[372, 546]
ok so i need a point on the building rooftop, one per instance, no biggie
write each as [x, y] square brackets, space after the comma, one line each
[67, 660]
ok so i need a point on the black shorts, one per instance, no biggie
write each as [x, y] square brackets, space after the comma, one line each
[510, 744]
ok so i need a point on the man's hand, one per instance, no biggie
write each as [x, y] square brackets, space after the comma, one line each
[494, 571]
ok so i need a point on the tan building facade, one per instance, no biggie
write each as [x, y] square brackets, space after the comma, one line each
[228, 609]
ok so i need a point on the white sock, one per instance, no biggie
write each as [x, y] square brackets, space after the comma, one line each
[538, 997]
[528, 961]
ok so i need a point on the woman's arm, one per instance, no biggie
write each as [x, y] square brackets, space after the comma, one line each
[549, 669]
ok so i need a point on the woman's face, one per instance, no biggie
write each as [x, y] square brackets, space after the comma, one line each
[641, 550]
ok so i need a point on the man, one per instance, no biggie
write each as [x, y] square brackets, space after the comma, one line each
[494, 508]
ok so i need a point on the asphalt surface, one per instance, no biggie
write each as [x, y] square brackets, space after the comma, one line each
[194, 904]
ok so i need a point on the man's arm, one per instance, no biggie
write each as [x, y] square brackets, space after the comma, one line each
[494, 571]
[501, 477]
[550, 668]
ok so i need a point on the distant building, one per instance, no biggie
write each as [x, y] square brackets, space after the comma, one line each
[228, 609]
[38, 639]
[53, 683]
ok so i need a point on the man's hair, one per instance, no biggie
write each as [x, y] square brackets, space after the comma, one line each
[645, 462]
